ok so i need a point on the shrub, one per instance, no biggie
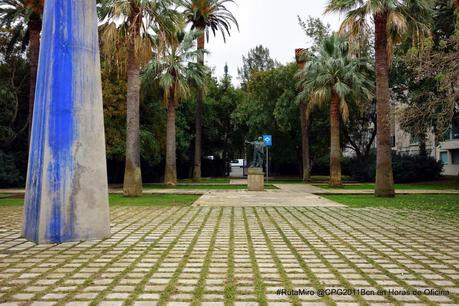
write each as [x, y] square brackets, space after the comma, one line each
[362, 170]
[415, 168]
[321, 165]
[10, 176]
[407, 168]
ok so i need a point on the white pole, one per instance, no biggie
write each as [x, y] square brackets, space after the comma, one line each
[267, 165]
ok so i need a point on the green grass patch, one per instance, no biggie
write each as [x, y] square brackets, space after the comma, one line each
[413, 186]
[153, 200]
[207, 180]
[11, 200]
[204, 187]
[286, 181]
[119, 200]
[444, 203]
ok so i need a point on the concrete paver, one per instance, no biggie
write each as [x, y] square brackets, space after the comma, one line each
[239, 255]
[279, 198]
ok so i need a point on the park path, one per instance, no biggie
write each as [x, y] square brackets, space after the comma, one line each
[288, 195]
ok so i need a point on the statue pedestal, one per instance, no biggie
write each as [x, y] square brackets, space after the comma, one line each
[256, 179]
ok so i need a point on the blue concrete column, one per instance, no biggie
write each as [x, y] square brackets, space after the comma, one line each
[66, 192]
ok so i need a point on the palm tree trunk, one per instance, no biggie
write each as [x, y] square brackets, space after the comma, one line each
[304, 122]
[335, 149]
[198, 122]
[384, 175]
[34, 26]
[304, 119]
[132, 174]
[170, 174]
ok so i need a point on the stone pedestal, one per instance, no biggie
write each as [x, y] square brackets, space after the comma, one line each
[256, 179]
[67, 192]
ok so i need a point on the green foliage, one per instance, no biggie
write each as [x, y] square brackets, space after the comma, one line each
[10, 175]
[315, 30]
[222, 135]
[258, 59]
[410, 17]
[174, 68]
[362, 169]
[210, 15]
[444, 20]
[424, 78]
[334, 70]
[415, 168]
[267, 109]
[114, 87]
[407, 168]
[19, 16]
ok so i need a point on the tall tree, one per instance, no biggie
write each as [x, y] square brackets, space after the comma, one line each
[301, 58]
[128, 22]
[175, 71]
[258, 59]
[316, 31]
[333, 77]
[206, 16]
[391, 19]
[24, 17]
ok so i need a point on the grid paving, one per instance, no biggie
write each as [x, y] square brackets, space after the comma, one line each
[239, 256]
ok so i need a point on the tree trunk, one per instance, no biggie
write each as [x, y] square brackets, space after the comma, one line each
[34, 25]
[170, 173]
[198, 123]
[335, 150]
[304, 119]
[422, 146]
[384, 174]
[132, 175]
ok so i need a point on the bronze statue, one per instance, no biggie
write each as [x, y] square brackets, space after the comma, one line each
[258, 152]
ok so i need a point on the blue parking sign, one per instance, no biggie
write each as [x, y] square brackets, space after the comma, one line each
[268, 140]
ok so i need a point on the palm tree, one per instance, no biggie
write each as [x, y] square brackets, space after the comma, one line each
[25, 19]
[301, 58]
[333, 77]
[175, 70]
[391, 19]
[206, 15]
[130, 21]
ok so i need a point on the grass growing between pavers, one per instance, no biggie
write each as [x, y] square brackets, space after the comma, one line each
[400, 281]
[141, 285]
[200, 286]
[230, 283]
[260, 286]
[18, 287]
[203, 187]
[414, 186]
[289, 216]
[153, 200]
[440, 203]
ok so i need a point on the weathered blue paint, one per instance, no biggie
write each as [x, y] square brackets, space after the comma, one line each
[61, 126]
[35, 164]
[66, 188]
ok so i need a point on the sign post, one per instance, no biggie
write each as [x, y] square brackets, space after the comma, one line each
[268, 142]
